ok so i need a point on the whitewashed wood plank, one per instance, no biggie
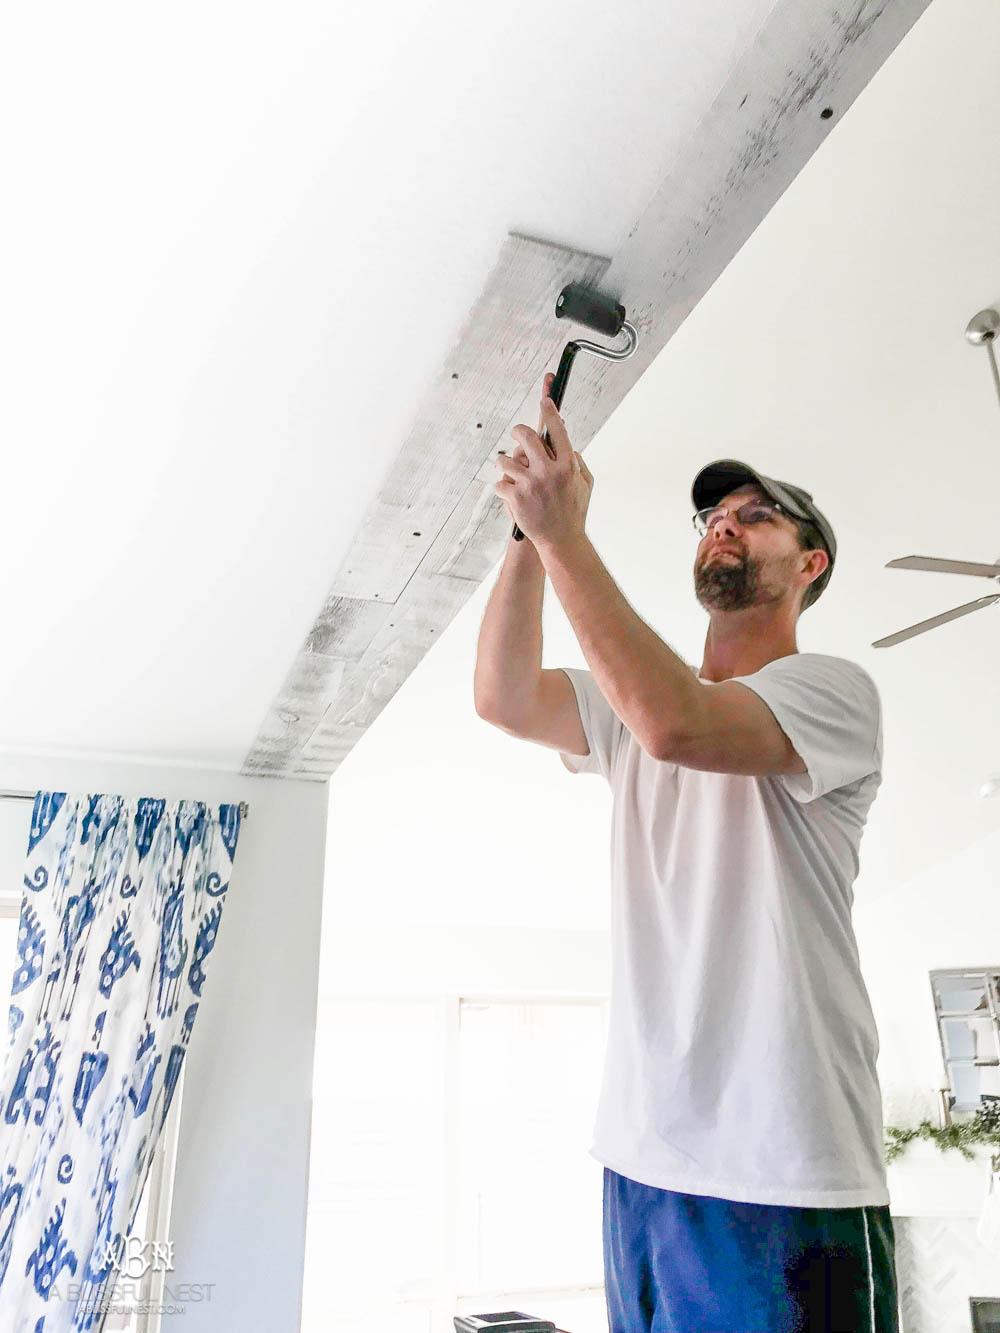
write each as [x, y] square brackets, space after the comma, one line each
[398, 637]
[301, 703]
[431, 502]
[419, 617]
[502, 352]
[320, 675]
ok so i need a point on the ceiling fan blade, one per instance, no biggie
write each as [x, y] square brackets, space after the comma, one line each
[931, 563]
[934, 621]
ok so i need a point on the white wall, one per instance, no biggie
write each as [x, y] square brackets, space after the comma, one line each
[946, 917]
[441, 821]
[240, 1195]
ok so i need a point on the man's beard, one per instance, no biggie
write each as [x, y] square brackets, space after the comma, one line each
[727, 585]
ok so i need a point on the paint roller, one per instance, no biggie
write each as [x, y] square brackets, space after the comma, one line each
[595, 311]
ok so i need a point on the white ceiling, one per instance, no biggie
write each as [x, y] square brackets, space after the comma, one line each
[244, 238]
[238, 240]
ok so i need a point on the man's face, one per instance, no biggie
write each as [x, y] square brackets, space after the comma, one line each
[737, 567]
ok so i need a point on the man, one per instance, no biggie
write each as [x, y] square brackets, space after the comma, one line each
[740, 1120]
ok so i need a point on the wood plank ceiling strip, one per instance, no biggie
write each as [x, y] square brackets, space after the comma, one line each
[804, 68]
[430, 535]
[502, 353]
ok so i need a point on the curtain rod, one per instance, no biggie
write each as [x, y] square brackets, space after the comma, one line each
[30, 796]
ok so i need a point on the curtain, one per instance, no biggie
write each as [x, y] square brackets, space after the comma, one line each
[122, 905]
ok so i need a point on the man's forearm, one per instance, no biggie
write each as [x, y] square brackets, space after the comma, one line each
[651, 689]
[509, 655]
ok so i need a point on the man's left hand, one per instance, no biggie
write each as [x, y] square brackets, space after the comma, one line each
[547, 493]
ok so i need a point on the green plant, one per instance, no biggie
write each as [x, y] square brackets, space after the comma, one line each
[983, 1128]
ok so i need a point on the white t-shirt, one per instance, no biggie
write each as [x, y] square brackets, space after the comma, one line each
[742, 1044]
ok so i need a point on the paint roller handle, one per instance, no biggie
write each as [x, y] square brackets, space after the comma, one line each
[556, 394]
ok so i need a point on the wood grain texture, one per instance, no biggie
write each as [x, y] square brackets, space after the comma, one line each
[437, 527]
[501, 354]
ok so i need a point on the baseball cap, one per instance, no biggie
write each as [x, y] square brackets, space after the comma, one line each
[714, 482]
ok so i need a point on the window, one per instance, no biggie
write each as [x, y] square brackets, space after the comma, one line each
[10, 915]
[449, 1170]
[152, 1222]
[967, 1004]
[374, 1236]
[529, 1194]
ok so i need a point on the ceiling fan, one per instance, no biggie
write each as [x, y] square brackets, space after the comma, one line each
[981, 331]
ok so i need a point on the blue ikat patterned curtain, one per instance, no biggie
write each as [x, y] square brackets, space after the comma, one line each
[121, 910]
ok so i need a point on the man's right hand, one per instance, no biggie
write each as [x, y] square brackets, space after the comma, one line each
[520, 454]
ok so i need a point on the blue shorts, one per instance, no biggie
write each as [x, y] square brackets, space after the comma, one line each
[688, 1263]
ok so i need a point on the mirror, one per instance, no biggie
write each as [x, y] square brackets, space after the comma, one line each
[967, 1004]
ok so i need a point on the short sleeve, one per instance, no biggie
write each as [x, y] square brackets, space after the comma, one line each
[829, 709]
[601, 725]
